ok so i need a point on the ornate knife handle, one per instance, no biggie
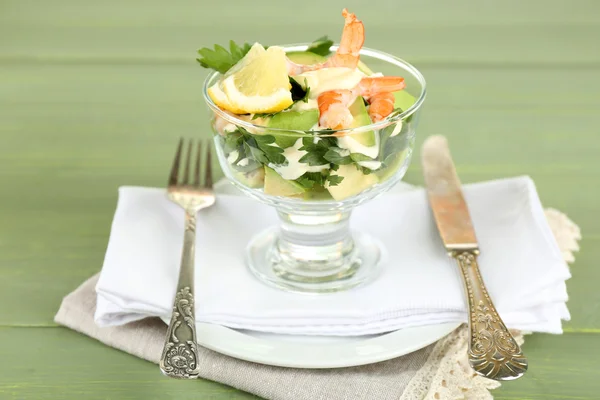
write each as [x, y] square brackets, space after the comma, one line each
[180, 354]
[493, 351]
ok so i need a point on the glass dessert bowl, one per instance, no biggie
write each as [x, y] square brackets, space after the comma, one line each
[314, 171]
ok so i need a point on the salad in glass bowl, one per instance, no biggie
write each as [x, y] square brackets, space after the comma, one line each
[313, 131]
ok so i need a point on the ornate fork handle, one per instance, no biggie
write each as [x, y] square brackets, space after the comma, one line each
[493, 352]
[180, 354]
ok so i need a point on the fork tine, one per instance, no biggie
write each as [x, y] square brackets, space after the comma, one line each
[197, 166]
[175, 167]
[208, 182]
[186, 173]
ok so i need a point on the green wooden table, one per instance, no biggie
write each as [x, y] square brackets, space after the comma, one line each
[94, 94]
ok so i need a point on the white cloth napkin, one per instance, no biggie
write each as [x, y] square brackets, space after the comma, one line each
[520, 263]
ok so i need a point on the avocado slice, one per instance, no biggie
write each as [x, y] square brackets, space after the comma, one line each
[361, 118]
[397, 161]
[362, 67]
[305, 57]
[292, 120]
[275, 185]
[353, 183]
[316, 195]
[403, 100]
[253, 179]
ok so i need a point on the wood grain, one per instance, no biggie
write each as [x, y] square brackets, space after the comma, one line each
[93, 95]
[69, 365]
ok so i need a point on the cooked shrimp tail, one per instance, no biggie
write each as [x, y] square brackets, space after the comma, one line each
[381, 105]
[353, 38]
[348, 52]
[295, 69]
[370, 86]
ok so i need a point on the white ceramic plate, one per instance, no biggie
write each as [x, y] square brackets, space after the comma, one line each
[316, 351]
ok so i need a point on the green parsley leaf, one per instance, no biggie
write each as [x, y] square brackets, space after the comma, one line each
[263, 115]
[334, 180]
[306, 182]
[298, 92]
[273, 154]
[399, 110]
[263, 139]
[316, 151]
[333, 156]
[357, 157]
[311, 180]
[323, 151]
[220, 59]
[321, 46]
[307, 93]
[232, 141]
[390, 146]
[238, 52]
[313, 158]
[256, 147]
[364, 170]
[255, 153]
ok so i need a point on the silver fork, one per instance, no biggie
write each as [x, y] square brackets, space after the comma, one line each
[180, 355]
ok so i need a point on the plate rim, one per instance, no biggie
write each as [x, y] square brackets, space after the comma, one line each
[240, 345]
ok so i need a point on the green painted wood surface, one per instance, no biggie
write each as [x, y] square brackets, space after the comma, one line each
[94, 94]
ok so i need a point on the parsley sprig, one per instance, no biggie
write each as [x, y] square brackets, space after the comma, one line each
[259, 149]
[220, 59]
[254, 147]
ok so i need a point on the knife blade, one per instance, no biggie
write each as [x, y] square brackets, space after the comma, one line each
[493, 351]
[445, 196]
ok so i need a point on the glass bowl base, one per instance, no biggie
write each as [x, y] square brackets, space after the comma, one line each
[357, 267]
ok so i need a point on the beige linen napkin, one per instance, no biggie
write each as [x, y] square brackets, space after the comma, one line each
[145, 338]
[439, 371]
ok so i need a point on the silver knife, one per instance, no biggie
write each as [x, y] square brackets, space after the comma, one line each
[493, 351]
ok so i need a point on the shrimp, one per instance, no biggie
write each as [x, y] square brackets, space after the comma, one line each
[371, 85]
[333, 108]
[378, 92]
[347, 54]
[381, 105]
[333, 105]
[353, 38]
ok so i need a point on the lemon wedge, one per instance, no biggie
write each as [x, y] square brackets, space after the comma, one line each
[216, 92]
[259, 83]
[256, 51]
[220, 98]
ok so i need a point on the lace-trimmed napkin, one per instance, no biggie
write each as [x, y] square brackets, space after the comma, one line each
[439, 371]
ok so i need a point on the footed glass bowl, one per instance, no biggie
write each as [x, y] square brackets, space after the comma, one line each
[315, 178]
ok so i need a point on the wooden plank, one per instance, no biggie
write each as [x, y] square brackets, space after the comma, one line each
[458, 32]
[127, 88]
[145, 13]
[55, 363]
[560, 368]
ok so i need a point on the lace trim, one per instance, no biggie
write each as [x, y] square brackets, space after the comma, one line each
[447, 375]
[566, 232]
